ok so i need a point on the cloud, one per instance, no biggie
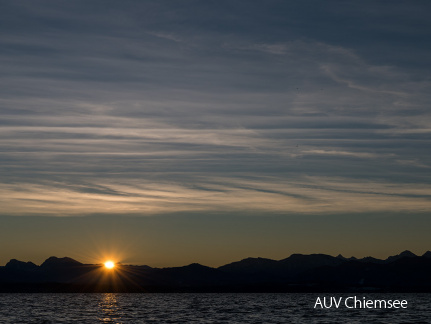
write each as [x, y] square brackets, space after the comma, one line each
[260, 194]
[343, 153]
[97, 98]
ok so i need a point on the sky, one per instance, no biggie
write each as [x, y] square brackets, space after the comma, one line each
[215, 129]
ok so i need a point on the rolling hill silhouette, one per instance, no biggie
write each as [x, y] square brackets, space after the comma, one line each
[404, 272]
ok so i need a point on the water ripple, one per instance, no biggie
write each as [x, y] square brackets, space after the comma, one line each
[200, 308]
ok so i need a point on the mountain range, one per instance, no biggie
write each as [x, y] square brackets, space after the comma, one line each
[405, 272]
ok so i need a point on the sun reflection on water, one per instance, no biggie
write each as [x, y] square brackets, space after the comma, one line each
[109, 309]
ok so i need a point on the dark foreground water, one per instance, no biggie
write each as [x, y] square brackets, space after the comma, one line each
[202, 308]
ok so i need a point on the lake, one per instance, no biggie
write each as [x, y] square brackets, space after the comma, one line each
[203, 308]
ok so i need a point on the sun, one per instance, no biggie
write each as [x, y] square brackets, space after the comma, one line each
[109, 264]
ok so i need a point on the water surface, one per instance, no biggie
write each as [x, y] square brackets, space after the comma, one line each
[202, 308]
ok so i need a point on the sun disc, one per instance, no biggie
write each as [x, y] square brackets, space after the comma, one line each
[109, 264]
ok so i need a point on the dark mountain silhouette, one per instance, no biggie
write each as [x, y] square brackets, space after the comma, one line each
[404, 254]
[54, 262]
[311, 273]
[298, 263]
[369, 259]
[16, 265]
[284, 269]
[250, 266]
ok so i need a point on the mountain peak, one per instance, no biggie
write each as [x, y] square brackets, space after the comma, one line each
[195, 265]
[407, 253]
[59, 262]
[370, 259]
[15, 264]
[249, 265]
[404, 254]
